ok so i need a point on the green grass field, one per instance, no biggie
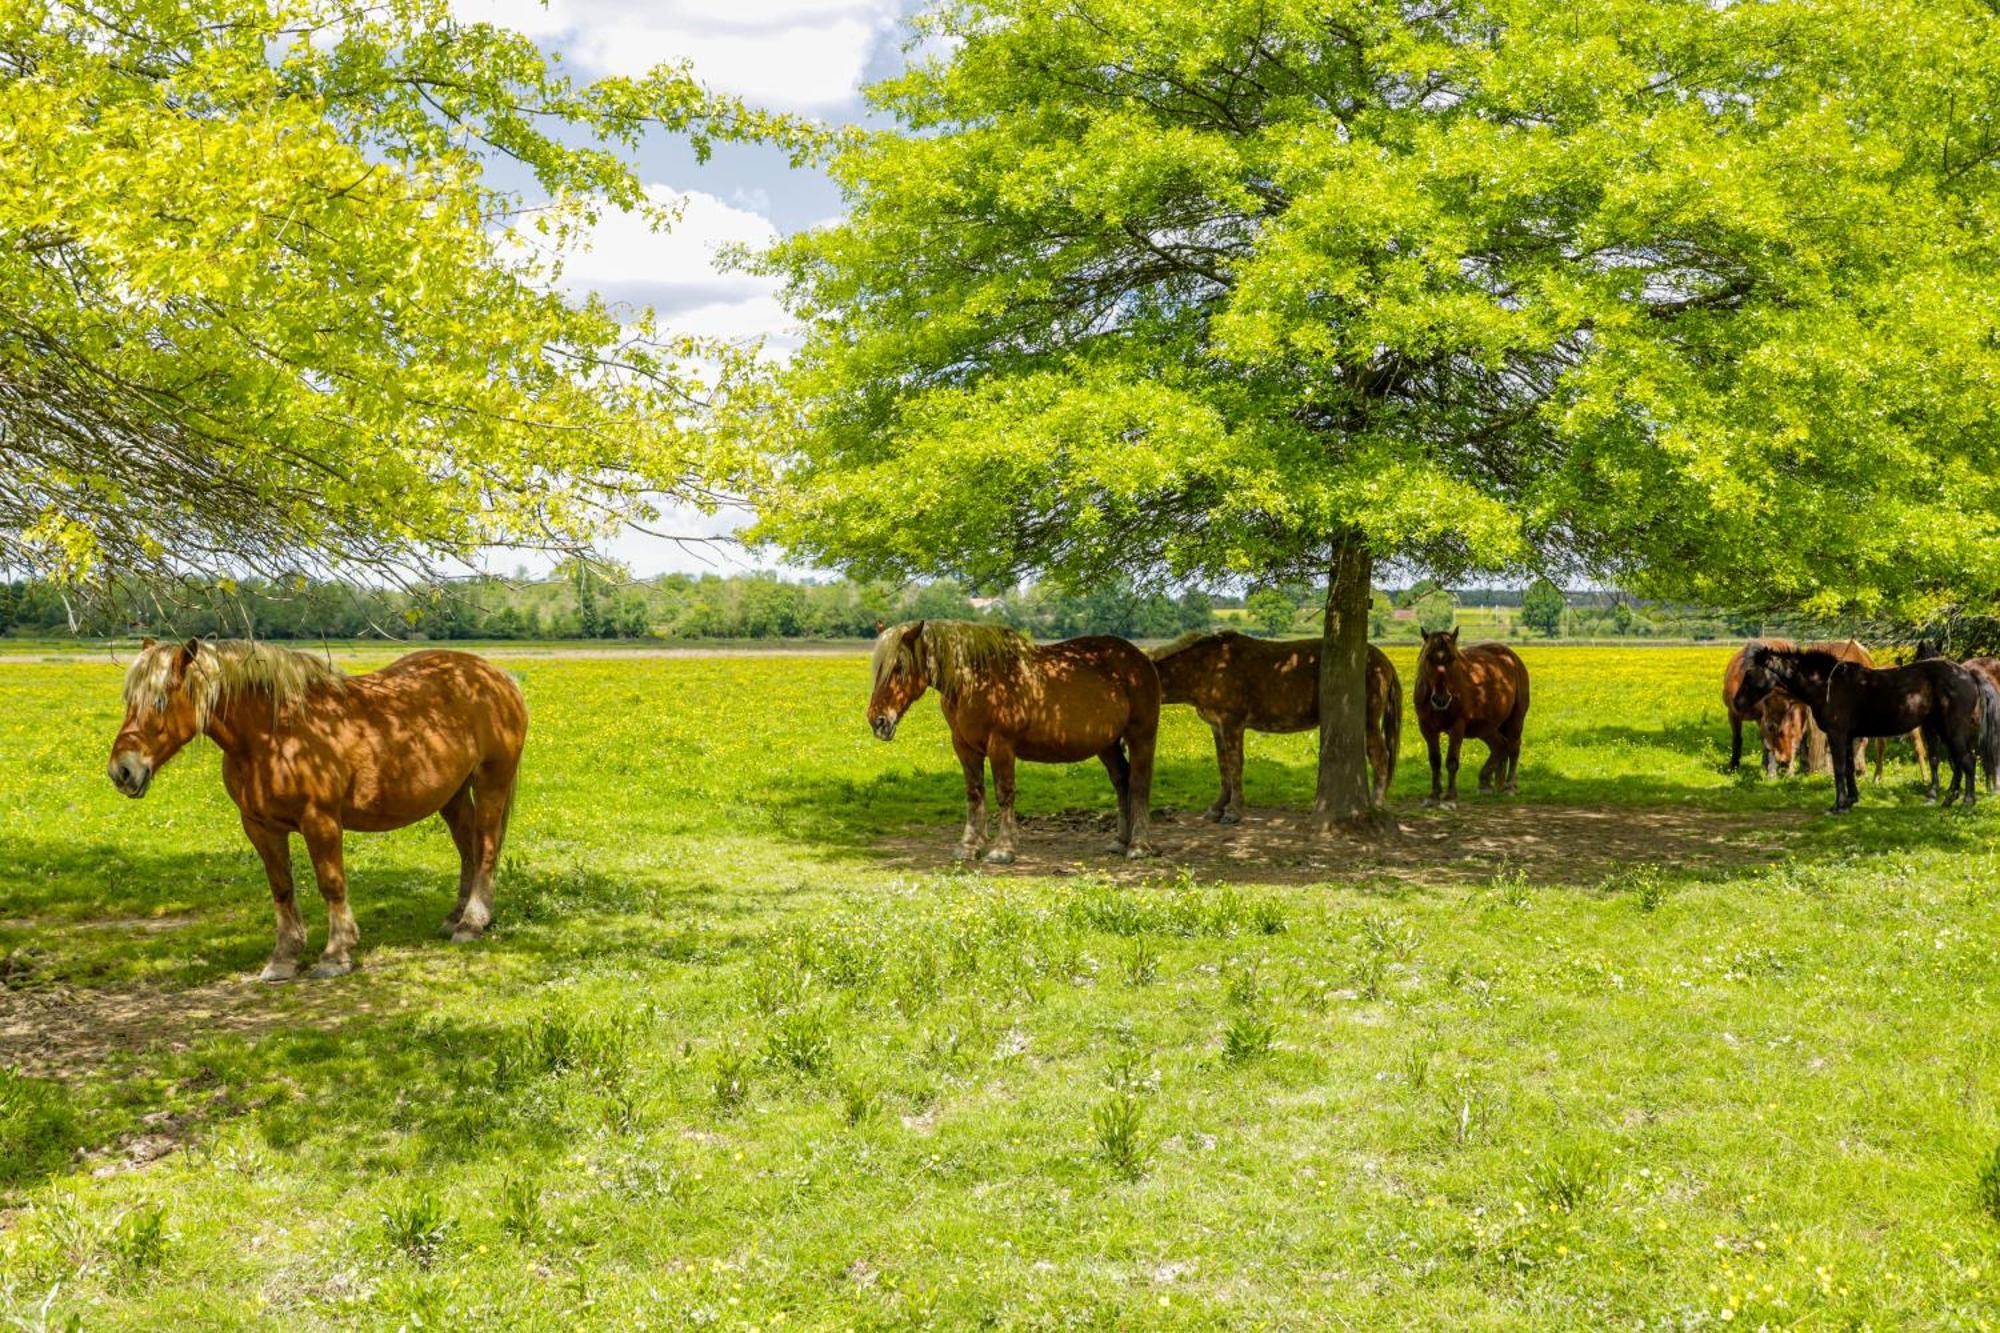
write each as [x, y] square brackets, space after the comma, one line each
[1650, 1046]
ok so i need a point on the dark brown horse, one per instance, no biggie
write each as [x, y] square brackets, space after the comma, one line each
[1781, 720]
[1818, 761]
[1006, 699]
[1238, 683]
[1851, 702]
[1987, 670]
[308, 750]
[1479, 692]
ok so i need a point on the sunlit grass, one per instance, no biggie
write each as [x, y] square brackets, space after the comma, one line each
[716, 1065]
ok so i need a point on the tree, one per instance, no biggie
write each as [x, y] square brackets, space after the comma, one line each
[262, 306]
[1232, 288]
[1542, 607]
[1272, 611]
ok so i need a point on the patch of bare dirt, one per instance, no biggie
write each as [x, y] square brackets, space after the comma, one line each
[52, 1029]
[1548, 844]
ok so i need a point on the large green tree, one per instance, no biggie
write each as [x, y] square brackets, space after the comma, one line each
[1694, 296]
[263, 304]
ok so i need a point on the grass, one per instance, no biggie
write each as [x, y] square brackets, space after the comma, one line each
[720, 1062]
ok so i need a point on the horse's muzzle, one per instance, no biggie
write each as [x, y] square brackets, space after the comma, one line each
[1443, 702]
[130, 774]
[884, 726]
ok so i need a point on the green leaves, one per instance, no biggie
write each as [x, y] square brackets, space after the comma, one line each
[257, 287]
[1697, 297]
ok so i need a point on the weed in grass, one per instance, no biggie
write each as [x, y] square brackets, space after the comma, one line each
[1567, 1176]
[1388, 936]
[1131, 1071]
[1467, 1110]
[416, 1225]
[1247, 1038]
[1416, 1061]
[732, 1078]
[1245, 986]
[1267, 916]
[1369, 973]
[1119, 1140]
[1142, 965]
[521, 1208]
[1987, 1187]
[858, 1100]
[1511, 887]
[140, 1240]
[563, 1037]
[798, 1041]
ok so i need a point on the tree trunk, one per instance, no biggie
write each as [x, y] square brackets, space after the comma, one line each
[1343, 802]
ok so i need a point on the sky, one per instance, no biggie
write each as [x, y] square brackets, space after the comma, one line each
[810, 57]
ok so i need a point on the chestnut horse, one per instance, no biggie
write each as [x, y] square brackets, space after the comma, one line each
[1851, 702]
[1236, 683]
[1781, 720]
[1480, 692]
[307, 749]
[1006, 699]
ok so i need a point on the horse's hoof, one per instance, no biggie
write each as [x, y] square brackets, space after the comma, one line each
[1215, 814]
[335, 967]
[1448, 803]
[448, 926]
[1138, 851]
[278, 972]
[1229, 817]
[1430, 801]
[465, 934]
[999, 856]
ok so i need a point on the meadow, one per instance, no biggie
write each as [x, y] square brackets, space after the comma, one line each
[1649, 1046]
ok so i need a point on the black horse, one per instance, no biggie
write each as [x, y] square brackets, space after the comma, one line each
[1851, 702]
[1986, 671]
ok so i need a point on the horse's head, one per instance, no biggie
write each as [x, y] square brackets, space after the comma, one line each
[1762, 673]
[160, 715]
[1926, 650]
[1436, 665]
[899, 676]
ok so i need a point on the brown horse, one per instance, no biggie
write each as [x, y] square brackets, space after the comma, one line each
[309, 750]
[1818, 760]
[1006, 699]
[1782, 721]
[1480, 692]
[1236, 683]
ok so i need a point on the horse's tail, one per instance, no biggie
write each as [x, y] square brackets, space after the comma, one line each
[1989, 728]
[1392, 729]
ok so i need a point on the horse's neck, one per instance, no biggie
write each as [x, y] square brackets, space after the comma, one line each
[242, 722]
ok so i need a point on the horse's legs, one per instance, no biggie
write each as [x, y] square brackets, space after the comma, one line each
[1840, 749]
[1736, 743]
[1139, 791]
[492, 798]
[1378, 761]
[973, 840]
[1232, 775]
[1934, 755]
[1451, 766]
[1221, 806]
[1923, 751]
[322, 835]
[1486, 770]
[457, 816]
[274, 849]
[1437, 791]
[1881, 757]
[1001, 754]
[1120, 769]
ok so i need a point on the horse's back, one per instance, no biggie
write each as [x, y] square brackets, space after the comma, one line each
[451, 690]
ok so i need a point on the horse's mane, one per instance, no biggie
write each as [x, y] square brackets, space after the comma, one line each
[1808, 658]
[223, 668]
[1190, 639]
[946, 652]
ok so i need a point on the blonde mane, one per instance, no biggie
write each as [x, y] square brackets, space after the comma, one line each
[224, 668]
[946, 653]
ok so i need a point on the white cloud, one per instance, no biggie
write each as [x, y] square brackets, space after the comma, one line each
[679, 272]
[794, 55]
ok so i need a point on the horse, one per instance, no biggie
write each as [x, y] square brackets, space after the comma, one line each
[1005, 698]
[1480, 692]
[1987, 671]
[1238, 683]
[1849, 650]
[307, 749]
[1781, 720]
[1852, 702]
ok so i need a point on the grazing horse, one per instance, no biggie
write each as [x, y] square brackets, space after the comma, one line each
[1006, 699]
[1987, 669]
[307, 749]
[1238, 683]
[1851, 702]
[1781, 720]
[1480, 692]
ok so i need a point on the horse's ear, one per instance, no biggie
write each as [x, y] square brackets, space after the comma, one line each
[185, 659]
[147, 642]
[880, 626]
[913, 631]
[1454, 636]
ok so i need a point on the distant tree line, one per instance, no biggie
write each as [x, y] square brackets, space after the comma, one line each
[580, 601]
